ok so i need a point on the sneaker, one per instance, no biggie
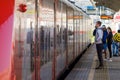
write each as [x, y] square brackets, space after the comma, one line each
[102, 51]
[100, 67]
[110, 60]
[105, 59]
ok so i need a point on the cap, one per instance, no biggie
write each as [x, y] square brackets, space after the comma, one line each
[103, 26]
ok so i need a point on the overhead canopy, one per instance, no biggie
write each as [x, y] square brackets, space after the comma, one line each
[112, 4]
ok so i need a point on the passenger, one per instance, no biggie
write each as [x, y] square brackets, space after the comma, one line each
[99, 44]
[116, 37]
[105, 34]
[115, 44]
[109, 42]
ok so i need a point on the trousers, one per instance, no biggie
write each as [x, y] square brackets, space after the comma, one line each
[99, 48]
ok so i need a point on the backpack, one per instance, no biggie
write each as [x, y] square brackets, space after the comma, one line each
[94, 32]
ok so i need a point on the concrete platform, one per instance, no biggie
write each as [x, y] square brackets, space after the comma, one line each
[85, 68]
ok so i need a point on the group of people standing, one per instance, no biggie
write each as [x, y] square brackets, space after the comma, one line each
[103, 40]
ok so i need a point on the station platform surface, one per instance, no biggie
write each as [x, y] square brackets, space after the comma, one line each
[85, 67]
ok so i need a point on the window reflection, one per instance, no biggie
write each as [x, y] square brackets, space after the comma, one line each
[47, 44]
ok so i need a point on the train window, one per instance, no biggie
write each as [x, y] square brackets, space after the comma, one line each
[61, 37]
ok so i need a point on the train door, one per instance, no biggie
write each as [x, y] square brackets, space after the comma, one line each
[85, 31]
[24, 40]
[47, 36]
[70, 30]
[78, 36]
[81, 32]
[60, 37]
[79, 49]
[76, 32]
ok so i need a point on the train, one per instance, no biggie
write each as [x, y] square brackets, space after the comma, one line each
[41, 38]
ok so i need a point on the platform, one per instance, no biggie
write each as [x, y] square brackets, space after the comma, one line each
[85, 68]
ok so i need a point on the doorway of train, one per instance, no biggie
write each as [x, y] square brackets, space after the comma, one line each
[24, 40]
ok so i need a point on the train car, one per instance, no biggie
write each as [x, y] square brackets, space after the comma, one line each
[40, 38]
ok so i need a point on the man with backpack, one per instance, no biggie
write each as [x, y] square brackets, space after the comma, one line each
[99, 44]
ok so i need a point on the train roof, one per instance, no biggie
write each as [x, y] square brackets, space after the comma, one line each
[75, 7]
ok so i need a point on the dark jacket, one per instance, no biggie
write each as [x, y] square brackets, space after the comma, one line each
[109, 38]
[105, 34]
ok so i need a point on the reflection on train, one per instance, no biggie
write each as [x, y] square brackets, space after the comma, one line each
[47, 38]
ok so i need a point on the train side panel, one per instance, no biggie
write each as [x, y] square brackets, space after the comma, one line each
[43, 41]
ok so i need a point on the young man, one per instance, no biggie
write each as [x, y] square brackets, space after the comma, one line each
[99, 44]
[115, 44]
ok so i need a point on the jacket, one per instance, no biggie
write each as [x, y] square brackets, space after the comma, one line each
[105, 34]
[109, 38]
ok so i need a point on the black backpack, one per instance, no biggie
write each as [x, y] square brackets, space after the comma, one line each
[94, 32]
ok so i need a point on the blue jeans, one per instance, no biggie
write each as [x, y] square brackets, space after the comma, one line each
[115, 47]
[105, 46]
